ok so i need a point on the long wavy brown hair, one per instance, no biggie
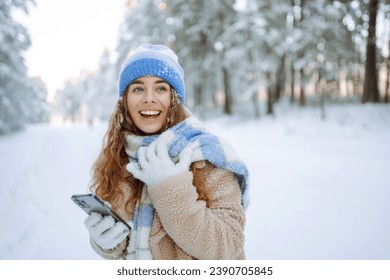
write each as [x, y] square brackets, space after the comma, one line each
[109, 170]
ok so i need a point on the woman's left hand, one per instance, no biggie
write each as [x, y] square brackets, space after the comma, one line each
[155, 164]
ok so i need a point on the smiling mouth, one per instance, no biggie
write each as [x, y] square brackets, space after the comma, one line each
[150, 113]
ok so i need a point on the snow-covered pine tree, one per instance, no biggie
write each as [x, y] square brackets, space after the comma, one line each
[145, 21]
[17, 91]
[199, 26]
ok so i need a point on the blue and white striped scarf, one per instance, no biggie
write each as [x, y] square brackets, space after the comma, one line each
[205, 146]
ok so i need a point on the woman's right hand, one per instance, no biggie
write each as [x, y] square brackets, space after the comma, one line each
[105, 231]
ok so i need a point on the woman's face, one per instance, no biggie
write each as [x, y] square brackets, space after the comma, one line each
[148, 99]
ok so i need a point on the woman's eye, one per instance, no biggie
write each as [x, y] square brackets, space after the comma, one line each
[137, 89]
[162, 89]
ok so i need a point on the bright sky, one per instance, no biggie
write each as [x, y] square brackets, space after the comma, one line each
[69, 36]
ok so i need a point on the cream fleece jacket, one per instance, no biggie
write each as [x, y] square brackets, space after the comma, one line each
[184, 227]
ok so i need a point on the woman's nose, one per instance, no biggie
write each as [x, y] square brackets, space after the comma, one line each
[149, 96]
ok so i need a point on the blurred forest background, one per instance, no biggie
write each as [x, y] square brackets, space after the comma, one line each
[240, 57]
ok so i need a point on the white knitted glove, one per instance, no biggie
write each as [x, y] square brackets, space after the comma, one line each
[104, 231]
[154, 163]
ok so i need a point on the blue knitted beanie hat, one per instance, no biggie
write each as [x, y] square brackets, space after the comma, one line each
[153, 60]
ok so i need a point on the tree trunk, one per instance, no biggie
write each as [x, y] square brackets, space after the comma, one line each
[280, 78]
[255, 100]
[357, 82]
[302, 95]
[387, 89]
[198, 95]
[302, 98]
[228, 107]
[292, 95]
[198, 99]
[371, 92]
[320, 90]
[270, 101]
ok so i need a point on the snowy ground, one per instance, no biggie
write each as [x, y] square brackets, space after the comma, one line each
[319, 189]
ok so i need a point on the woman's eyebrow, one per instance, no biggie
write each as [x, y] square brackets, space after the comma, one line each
[139, 82]
[161, 82]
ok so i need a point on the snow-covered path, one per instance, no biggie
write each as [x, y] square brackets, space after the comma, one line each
[319, 190]
[40, 169]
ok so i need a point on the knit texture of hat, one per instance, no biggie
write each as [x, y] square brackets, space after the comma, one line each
[153, 60]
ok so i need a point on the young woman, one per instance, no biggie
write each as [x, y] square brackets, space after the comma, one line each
[182, 189]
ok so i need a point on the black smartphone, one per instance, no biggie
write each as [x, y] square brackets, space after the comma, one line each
[92, 203]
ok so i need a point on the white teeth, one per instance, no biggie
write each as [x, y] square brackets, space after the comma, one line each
[150, 113]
